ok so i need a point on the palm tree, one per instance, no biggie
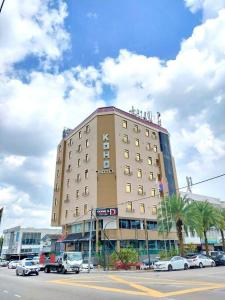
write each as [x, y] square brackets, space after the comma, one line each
[204, 217]
[221, 225]
[173, 212]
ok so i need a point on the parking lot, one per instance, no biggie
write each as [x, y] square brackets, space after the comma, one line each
[198, 284]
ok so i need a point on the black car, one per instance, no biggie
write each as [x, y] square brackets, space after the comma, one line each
[219, 260]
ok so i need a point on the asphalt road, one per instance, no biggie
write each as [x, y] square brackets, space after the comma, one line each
[197, 284]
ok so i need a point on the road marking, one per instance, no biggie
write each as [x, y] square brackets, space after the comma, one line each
[148, 291]
[108, 289]
[5, 291]
[18, 296]
[139, 289]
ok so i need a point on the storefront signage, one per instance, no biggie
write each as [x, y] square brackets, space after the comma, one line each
[104, 212]
[106, 157]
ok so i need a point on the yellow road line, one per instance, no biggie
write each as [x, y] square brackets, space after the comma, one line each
[193, 290]
[148, 291]
[102, 288]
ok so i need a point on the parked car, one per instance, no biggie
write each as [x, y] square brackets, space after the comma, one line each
[4, 263]
[13, 264]
[200, 260]
[27, 268]
[175, 263]
[148, 264]
[214, 254]
[220, 260]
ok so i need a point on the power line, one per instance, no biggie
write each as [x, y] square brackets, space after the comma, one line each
[202, 181]
[2, 5]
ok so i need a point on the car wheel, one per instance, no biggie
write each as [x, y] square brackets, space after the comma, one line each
[213, 264]
[200, 265]
[17, 274]
[170, 268]
[37, 273]
[77, 272]
[24, 273]
[46, 270]
[185, 266]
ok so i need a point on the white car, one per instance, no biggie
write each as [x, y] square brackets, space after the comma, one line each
[27, 268]
[13, 264]
[200, 261]
[175, 263]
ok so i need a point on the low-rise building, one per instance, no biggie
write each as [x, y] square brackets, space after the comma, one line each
[22, 242]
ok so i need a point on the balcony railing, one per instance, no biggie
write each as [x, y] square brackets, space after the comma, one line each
[128, 210]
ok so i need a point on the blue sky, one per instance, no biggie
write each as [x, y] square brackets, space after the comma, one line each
[60, 60]
[101, 28]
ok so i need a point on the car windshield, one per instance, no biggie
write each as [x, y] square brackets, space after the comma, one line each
[29, 263]
[74, 256]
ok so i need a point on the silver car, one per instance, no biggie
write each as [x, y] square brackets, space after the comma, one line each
[27, 268]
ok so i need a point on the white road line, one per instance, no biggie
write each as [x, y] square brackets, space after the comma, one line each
[18, 296]
[5, 291]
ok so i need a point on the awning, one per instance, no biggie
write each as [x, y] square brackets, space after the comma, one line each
[77, 237]
[86, 237]
[73, 237]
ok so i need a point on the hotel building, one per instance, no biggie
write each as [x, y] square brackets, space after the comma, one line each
[116, 160]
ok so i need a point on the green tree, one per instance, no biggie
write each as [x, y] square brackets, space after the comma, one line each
[204, 217]
[221, 225]
[126, 255]
[174, 213]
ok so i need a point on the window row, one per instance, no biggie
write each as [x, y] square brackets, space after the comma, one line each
[86, 131]
[78, 193]
[137, 224]
[128, 189]
[86, 159]
[137, 129]
[126, 140]
[127, 171]
[139, 159]
[77, 211]
[142, 208]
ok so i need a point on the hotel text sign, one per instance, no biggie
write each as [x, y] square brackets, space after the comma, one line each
[104, 212]
[106, 157]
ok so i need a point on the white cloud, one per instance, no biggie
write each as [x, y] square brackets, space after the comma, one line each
[32, 28]
[210, 8]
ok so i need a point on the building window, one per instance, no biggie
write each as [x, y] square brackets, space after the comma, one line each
[126, 153]
[80, 135]
[151, 177]
[54, 216]
[139, 173]
[87, 143]
[77, 193]
[148, 146]
[128, 188]
[124, 124]
[78, 179]
[137, 142]
[138, 157]
[125, 138]
[155, 148]
[78, 162]
[86, 174]
[142, 208]
[79, 148]
[55, 202]
[154, 209]
[71, 142]
[147, 132]
[127, 170]
[66, 213]
[86, 157]
[77, 211]
[60, 148]
[140, 190]
[124, 223]
[85, 209]
[135, 224]
[149, 160]
[69, 168]
[154, 135]
[136, 129]
[87, 130]
[86, 191]
[67, 197]
[57, 173]
[68, 183]
[129, 206]
[151, 225]
[153, 192]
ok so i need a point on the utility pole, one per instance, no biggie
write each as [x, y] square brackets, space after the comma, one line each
[90, 243]
[147, 245]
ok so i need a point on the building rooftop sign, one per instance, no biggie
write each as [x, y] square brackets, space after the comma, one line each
[104, 212]
[146, 115]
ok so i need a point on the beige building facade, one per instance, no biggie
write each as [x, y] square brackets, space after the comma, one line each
[113, 159]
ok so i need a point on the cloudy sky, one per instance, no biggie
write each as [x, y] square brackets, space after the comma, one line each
[60, 60]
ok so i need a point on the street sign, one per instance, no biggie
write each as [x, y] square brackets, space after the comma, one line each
[104, 212]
